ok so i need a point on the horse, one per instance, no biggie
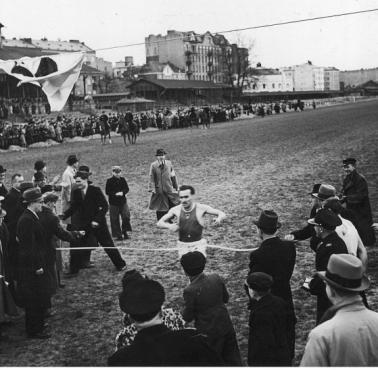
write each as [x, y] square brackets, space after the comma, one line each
[123, 129]
[105, 132]
[132, 132]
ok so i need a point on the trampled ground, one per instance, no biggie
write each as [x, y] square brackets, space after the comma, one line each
[240, 167]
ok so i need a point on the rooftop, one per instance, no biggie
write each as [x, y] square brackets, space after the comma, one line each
[182, 84]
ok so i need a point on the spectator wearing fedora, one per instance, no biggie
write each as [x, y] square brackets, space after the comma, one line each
[54, 231]
[205, 298]
[89, 206]
[33, 279]
[68, 181]
[171, 318]
[320, 193]
[349, 335]
[155, 344]
[162, 184]
[325, 223]
[3, 189]
[268, 324]
[276, 257]
[355, 194]
[116, 188]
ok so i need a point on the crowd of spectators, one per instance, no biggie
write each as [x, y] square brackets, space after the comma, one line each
[40, 125]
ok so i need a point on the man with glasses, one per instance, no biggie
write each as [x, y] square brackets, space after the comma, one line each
[190, 218]
[116, 188]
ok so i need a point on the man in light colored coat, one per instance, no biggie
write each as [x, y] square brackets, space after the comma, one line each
[348, 335]
[163, 185]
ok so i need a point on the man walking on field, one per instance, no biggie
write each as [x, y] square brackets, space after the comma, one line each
[190, 221]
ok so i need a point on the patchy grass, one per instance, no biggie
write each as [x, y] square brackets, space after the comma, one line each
[241, 168]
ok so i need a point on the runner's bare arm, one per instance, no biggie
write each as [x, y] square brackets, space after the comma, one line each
[216, 212]
[163, 224]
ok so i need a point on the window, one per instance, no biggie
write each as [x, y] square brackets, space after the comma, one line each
[273, 85]
[263, 86]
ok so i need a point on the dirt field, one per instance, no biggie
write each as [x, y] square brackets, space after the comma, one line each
[241, 168]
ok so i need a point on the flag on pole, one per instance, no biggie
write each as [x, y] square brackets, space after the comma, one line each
[55, 74]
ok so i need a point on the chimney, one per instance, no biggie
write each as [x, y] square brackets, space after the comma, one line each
[1, 37]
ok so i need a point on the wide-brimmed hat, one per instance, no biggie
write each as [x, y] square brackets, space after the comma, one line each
[160, 152]
[39, 165]
[50, 197]
[25, 186]
[268, 221]
[348, 161]
[345, 271]
[315, 189]
[72, 159]
[32, 195]
[142, 297]
[325, 191]
[259, 281]
[325, 218]
[2, 211]
[83, 172]
[2, 169]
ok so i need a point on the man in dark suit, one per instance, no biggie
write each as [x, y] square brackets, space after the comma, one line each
[205, 299]
[320, 193]
[89, 205]
[276, 258]
[116, 188]
[268, 324]
[325, 223]
[14, 208]
[33, 278]
[155, 344]
[355, 194]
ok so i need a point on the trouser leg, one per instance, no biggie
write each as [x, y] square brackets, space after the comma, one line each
[34, 319]
[114, 213]
[125, 215]
[105, 240]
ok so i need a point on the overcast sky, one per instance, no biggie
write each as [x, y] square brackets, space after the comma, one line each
[346, 42]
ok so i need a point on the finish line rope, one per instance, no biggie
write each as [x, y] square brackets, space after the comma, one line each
[160, 249]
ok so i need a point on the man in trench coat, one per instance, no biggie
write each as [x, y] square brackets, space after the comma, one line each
[163, 185]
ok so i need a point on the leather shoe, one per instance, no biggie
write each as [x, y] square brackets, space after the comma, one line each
[40, 335]
[119, 238]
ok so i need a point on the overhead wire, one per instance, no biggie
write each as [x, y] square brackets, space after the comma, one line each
[249, 28]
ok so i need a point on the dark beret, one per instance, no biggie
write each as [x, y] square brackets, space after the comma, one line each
[142, 297]
[259, 281]
[193, 261]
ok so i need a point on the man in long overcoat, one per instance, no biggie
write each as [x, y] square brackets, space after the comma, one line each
[163, 185]
[54, 231]
[355, 194]
[14, 208]
[276, 258]
[33, 280]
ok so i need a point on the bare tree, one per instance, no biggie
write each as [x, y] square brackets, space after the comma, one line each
[237, 60]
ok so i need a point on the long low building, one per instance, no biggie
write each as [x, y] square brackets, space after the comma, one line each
[184, 92]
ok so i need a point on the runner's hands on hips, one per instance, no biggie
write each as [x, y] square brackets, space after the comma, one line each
[173, 227]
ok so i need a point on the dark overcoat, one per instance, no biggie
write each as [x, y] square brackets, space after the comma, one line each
[267, 344]
[355, 189]
[52, 232]
[159, 346]
[14, 208]
[332, 244]
[276, 257]
[308, 231]
[34, 290]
